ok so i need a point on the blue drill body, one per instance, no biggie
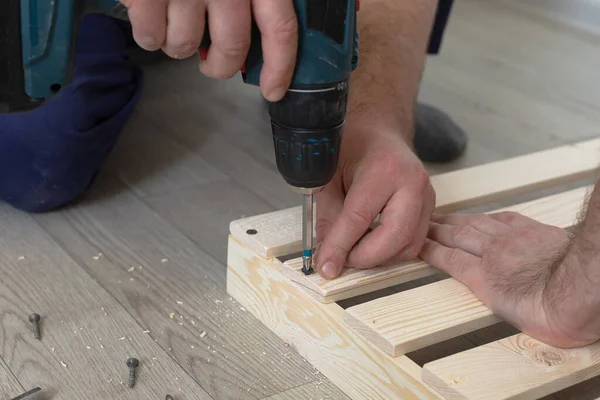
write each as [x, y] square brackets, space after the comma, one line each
[48, 31]
[307, 123]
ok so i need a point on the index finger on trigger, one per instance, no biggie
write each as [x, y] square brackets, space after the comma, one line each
[278, 25]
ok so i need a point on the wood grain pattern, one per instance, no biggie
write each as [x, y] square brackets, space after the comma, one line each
[199, 213]
[319, 390]
[86, 335]
[559, 210]
[9, 386]
[317, 331]
[150, 164]
[517, 367]
[280, 232]
[417, 318]
[490, 182]
[177, 292]
[353, 281]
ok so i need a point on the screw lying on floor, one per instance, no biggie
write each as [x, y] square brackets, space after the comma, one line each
[35, 320]
[132, 363]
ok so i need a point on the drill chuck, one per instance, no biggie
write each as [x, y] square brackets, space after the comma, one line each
[307, 127]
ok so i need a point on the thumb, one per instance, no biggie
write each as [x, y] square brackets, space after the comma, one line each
[353, 217]
[330, 202]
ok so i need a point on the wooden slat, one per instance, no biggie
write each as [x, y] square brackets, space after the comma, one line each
[318, 333]
[411, 320]
[559, 210]
[354, 282]
[280, 233]
[517, 367]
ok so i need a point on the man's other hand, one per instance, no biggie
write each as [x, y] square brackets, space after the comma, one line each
[520, 269]
[378, 173]
[177, 27]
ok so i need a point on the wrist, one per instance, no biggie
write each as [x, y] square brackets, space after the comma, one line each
[571, 298]
[366, 121]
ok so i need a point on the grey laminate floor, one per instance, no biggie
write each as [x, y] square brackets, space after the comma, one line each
[138, 267]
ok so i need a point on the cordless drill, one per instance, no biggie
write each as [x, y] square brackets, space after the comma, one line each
[37, 43]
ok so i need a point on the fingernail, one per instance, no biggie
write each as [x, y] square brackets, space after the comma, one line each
[149, 43]
[276, 94]
[329, 270]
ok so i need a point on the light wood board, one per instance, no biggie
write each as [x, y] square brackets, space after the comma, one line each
[410, 320]
[455, 190]
[517, 367]
[317, 331]
[560, 210]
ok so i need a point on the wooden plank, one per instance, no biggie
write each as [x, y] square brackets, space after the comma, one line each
[487, 183]
[417, 318]
[211, 336]
[321, 390]
[9, 386]
[517, 367]
[317, 331]
[86, 334]
[353, 281]
[559, 210]
[280, 233]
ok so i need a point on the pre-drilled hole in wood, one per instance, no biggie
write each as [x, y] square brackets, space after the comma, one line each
[251, 231]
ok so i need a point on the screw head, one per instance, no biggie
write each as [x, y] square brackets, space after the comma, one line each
[34, 318]
[133, 363]
[169, 397]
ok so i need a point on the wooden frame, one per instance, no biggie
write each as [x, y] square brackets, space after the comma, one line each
[362, 349]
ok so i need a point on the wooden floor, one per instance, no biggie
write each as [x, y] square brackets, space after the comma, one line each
[137, 269]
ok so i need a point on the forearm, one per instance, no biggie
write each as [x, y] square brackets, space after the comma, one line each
[572, 290]
[393, 43]
[585, 244]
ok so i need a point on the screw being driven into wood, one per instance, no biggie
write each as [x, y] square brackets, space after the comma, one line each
[132, 363]
[35, 320]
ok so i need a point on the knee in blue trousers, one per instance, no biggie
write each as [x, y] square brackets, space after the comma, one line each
[51, 155]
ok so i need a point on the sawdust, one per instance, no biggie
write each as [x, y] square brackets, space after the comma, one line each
[97, 257]
[172, 315]
[203, 334]
[64, 364]
[21, 258]
[131, 269]
[164, 260]
[122, 338]
[179, 302]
